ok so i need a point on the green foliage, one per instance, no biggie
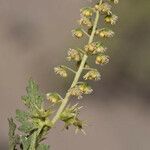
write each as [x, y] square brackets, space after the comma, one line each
[43, 147]
[33, 122]
[25, 142]
[22, 116]
[26, 127]
[34, 99]
[13, 139]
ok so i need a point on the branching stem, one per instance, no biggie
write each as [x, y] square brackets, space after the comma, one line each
[78, 73]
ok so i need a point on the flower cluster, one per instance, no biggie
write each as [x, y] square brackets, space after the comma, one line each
[92, 75]
[84, 21]
[104, 8]
[87, 12]
[61, 71]
[111, 19]
[78, 33]
[54, 97]
[73, 55]
[105, 33]
[94, 48]
[102, 59]
[80, 89]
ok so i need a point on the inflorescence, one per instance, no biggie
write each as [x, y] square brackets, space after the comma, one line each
[38, 120]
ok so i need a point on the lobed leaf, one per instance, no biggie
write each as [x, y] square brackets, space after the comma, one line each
[34, 98]
[22, 116]
[13, 139]
[27, 127]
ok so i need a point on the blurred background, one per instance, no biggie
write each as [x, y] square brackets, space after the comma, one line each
[35, 36]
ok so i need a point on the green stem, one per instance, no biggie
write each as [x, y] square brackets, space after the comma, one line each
[33, 142]
[73, 71]
[85, 33]
[35, 135]
[78, 73]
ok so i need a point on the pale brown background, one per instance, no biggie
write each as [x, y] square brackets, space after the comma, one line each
[34, 37]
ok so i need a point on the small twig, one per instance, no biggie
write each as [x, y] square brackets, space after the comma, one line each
[79, 49]
[85, 33]
[89, 69]
[73, 71]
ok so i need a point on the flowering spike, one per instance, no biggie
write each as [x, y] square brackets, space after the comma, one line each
[38, 119]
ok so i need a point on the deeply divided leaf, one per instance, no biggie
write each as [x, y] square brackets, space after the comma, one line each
[12, 128]
[22, 116]
[34, 98]
[27, 127]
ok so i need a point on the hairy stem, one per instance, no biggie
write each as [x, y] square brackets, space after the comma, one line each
[33, 141]
[35, 135]
[78, 73]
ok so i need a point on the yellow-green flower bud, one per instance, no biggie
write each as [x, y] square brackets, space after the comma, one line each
[85, 22]
[61, 71]
[94, 48]
[97, 7]
[102, 59]
[53, 97]
[90, 48]
[112, 19]
[73, 55]
[101, 49]
[78, 33]
[87, 12]
[104, 8]
[85, 88]
[92, 75]
[105, 33]
[75, 91]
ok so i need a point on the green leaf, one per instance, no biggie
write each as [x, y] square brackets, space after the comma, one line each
[27, 127]
[22, 116]
[25, 142]
[12, 139]
[34, 98]
[43, 147]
